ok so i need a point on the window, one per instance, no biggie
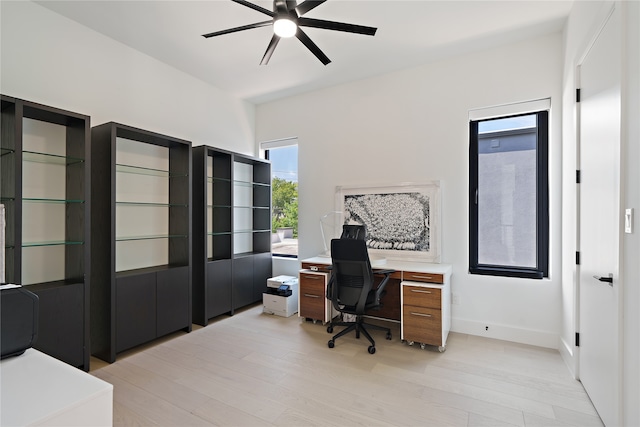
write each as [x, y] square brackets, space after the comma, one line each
[508, 196]
[284, 196]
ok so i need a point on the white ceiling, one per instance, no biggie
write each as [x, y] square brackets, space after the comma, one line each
[410, 33]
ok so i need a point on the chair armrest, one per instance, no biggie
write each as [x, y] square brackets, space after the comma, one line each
[385, 272]
[383, 283]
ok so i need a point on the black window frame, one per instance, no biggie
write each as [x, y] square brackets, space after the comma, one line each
[542, 203]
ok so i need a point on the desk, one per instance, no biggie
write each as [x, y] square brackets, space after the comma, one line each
[37, 389]
[418, 296]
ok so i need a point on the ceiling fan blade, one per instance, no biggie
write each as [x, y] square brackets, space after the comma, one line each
[236, 29]
[272, 47]
[336, 26]
[307, 5]
[304, 38]
[255, 7]
[284, 6]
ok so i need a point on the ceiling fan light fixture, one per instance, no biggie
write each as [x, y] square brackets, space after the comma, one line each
[284, 27]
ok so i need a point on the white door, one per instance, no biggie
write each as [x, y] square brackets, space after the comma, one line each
[599, 303]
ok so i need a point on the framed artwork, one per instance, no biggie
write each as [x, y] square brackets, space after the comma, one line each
[403, 221]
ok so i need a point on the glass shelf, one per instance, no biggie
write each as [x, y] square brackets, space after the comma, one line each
[245, 231]
[54, 159]
[51, 243]
[138, 170]
[55, 201]
[250, 184]
[216, 179]
[152, 204]
[7, 199]
[4, 151]
[149, 237]
[220, 206]
[219, 233]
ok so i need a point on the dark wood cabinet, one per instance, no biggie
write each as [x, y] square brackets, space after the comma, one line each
[232, 231]
[135, 310]
[141, 243]
[45, 167]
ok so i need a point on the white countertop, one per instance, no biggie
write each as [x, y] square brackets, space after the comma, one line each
[37, 389]
[394, 264]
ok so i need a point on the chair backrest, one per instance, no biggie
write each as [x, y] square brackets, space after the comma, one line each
[354, 231]
[351, 275]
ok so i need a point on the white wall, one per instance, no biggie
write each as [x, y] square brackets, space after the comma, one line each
[52, 60]
[582, 26]
[412, 126]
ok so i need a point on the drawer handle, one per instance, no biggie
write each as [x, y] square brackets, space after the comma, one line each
[312, 277]
[420, 291]
[311, 296]
[418, 276]
[420, 314]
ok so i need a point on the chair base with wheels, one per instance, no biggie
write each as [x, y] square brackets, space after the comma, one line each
[359, 327]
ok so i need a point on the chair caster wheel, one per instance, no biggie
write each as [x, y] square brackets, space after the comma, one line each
[422, 346]
[410, 342]
[389, 336]
[372, 349]
[330, 329]
[331, 344]
[441, 349]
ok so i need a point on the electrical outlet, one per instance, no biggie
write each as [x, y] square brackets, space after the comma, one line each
[455, 299]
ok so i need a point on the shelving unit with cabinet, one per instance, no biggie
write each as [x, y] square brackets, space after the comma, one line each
[141, 228]
[232, 231]
[45, 159]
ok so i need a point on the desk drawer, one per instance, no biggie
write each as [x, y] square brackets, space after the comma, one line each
[323, 268]
[412, 276]
[312, 294]
[423, 325]
[312, 301]
[421, 296]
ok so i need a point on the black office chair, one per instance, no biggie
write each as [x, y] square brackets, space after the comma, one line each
[351, 288]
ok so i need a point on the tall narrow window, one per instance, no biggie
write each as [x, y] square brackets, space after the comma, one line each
[284, 196]
[508, 196]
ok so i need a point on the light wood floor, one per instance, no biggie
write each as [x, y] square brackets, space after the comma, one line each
[255, 369]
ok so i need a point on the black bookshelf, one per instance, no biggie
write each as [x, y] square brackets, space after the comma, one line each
[138, 295]
[62, 204]
[232, 231]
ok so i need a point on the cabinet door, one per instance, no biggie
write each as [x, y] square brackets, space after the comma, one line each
[135, 310]
[61, 323]
[172, 311]
[261, 273]
[218, 287]
[242, 281]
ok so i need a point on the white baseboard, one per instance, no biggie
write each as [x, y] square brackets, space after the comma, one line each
[504, 332]
[569, 356]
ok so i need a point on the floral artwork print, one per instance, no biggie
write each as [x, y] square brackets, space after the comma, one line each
[394, 221]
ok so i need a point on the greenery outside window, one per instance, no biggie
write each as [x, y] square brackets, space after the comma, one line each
[508, 196]
[284, 196]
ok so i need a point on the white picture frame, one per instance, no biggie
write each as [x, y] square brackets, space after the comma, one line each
[403, 220]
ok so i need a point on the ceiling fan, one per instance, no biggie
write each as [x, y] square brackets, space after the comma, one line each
[287, 18]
